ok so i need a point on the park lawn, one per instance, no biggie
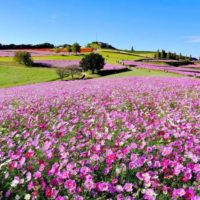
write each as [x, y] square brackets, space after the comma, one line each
[15, 75]
[143, 72]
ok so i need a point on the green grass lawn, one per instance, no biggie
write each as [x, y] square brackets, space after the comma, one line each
[21, 75]
[13, 76]
[142, 72]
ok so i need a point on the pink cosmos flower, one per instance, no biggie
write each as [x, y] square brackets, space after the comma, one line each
[89, 184]
[128, 187]
[119, 188]
[37, 175]
[189, 194]
[120, 197]
[102, 186]
[149, 194]
[28, 176]
[166, 150]
[110, 158]
[70, 184]
[178, 193]
[30, 185]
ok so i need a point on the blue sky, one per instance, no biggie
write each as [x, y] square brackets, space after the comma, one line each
[146, 24]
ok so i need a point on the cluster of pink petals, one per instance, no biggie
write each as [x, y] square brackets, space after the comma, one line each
[126, 138]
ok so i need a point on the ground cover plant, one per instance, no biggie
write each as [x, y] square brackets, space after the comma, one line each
[129, 138]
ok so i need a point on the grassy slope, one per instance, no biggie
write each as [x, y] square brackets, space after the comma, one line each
[113, 56]
[142, 72]
[12, 74]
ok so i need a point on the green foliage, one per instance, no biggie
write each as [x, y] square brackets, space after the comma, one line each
[68, 71]
[94, 46]
[168, 55]
[24, 58]
[76, 47]
[157, 55]
[68, 49]
[100, 45]
[93, 62]
[57, 50]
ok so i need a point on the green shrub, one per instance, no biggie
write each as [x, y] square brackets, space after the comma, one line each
[24, 58]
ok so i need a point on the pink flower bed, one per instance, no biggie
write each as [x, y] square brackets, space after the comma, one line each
[65, 63]
[11, 53]
[58, 63]
[131, 138]
[182, 70]
[114, 67]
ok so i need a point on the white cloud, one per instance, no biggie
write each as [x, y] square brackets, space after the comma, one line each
[192, 39]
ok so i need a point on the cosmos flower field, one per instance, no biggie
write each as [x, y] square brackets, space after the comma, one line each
[129, 138]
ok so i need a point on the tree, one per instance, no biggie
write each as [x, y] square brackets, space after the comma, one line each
[73, 70]
[169, 55]
[163, 54]
[94, 46]
[93, 62]
[157, 55]
[180, 56]
[61, 72]
[132, 49]
[58, 50]
[68, 49]
[68, 71]
[76, 47]
[24, 58]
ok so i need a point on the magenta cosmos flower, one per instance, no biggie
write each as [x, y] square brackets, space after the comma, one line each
[70, 184]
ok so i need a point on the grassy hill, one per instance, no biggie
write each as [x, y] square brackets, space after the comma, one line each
[12, 74]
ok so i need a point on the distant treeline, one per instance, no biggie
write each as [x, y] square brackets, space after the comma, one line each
[26, 46]
[169, 55]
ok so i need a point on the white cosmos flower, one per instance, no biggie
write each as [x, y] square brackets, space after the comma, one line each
[17, 197]
[27, 197]
[14, 183]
